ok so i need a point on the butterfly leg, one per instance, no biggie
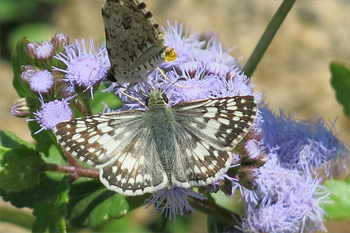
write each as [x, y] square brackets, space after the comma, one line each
[171, 82]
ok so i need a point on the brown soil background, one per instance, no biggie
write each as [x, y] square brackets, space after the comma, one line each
[293, 75]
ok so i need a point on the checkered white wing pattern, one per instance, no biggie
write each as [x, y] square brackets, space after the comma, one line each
[96, 139]
[115, 143]
[134, 41]
[137, 170]
[206, 131]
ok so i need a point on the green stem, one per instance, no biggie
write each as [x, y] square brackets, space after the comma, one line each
[16, 217]
[267, 37]
[86, 102]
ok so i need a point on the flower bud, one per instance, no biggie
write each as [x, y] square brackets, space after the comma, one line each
[59, 41]
[40, 50]
[28, 72]
[20, 108]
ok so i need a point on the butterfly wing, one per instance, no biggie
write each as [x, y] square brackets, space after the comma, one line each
[138, 170]
[134, 41]
[206, 132]
[115, 143]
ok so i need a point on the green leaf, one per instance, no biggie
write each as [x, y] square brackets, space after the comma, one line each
[19, 168]
[44, 191]
[97, 208]
[81, 189]
[10, 140]
[340, 195]
[19, 57]
[50, 216]
[46, 144]
[340, 82]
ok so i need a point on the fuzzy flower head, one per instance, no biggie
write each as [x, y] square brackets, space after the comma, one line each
[204, 47]
[303, 144]
[288, 201]
[172, 202]
[84, 68]
[40, 81]
[52, 113]
[184, 42]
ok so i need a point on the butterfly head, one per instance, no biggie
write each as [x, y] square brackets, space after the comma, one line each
[156, 97]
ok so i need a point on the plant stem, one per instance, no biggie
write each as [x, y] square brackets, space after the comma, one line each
[82, 172]
[267, 37]
[16, 217]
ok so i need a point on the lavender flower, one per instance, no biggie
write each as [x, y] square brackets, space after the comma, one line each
[289, 198]
[52, 113]
[285, 201]
[84, 68]
[303, 145]
[191, 47]
[40, 81]
[172, 202]
[183, 43]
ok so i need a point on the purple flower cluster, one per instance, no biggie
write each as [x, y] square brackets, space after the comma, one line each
[60, 72]
[284, 195]
[288, 194]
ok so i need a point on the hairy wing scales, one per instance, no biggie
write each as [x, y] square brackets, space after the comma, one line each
[138, 170]
[223, 121]
[134, 41]
[199, 163]
[115, 143]
[207, 130]
[96, 139]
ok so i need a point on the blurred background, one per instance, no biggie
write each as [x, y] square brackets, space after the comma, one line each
[293, 75]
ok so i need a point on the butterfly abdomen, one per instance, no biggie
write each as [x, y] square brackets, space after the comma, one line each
[160, 119]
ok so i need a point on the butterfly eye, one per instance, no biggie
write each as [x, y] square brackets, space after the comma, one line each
[165, 98]
[110, 77]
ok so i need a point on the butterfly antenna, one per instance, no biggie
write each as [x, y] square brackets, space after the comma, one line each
[131, 97]
[163, 74]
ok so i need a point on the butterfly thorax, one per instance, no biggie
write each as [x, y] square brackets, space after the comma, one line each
[160, 121]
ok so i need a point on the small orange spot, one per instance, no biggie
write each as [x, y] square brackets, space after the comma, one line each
[170, 55]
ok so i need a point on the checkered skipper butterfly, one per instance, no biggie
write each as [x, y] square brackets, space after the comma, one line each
[134, 41]
[141, 152]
